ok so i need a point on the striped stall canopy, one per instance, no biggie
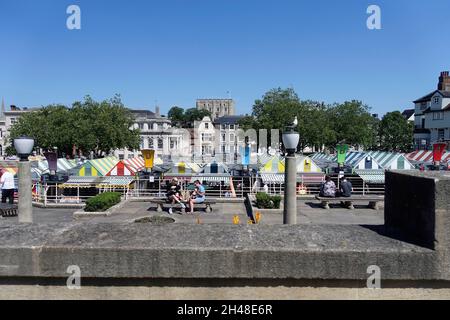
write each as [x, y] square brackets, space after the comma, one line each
[9, 165]
[274, 165]
[97, 167]
[184, 167]
[211, 178]
[322, 156]
[306, 164]
[136, 164]
[420, 156]
[119, 182]
[63, 165]
[272, 178]
[215, 167]
[360, 160]
[371, 176]
[304, 178]
[81, 182]
[122, 169]
[425, 156]
[391, 160]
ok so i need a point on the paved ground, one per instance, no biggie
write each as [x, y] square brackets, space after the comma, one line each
[308, 213]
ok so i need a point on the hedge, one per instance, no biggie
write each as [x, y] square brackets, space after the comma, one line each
[102, 202]
[265, 201]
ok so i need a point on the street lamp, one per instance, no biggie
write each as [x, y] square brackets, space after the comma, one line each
[290, 141]
[24, 147]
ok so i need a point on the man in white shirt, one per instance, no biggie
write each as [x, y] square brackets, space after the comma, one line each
[7, 184]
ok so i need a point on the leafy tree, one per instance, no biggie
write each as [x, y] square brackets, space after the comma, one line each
[396, 133]
[194, 114]
[176, 115]
[353, 123]
[87, 126]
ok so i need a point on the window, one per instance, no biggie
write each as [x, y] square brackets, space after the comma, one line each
[436, 100]
[160, 143]
[173, 143]
[231, 126]
[224, 149]
[150, 143]
[206, 137]
[223, 137]
[438, 115]
[206, 125]
[441, 133]
[232, 137]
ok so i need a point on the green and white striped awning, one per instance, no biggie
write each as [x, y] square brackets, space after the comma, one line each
[211, 178]
[371, 176]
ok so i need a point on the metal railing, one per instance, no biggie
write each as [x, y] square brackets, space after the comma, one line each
[60, 193]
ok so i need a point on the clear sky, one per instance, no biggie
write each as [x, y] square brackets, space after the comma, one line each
[175, 51]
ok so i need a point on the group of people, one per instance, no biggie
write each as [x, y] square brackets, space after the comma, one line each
[328, 188]
[174, 195]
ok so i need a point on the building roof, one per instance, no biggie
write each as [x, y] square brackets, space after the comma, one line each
[445, 94]
[408, 113]
[228, 119]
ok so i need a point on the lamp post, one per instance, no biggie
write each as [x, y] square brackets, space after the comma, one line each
[24, 147]
[290, 141]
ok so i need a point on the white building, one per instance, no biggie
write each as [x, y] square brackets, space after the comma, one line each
[156, 133]
[432, 115]
[7, 119]
[230, 142]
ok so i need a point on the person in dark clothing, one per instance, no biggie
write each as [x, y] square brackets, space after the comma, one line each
[174, 194]
[345, 188]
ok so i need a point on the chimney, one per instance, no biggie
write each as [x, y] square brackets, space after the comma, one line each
[444, 81]
[157, 112]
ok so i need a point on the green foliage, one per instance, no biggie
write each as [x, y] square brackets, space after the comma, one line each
[102, 202]
[185, 119]
[86, 126]
[266, 201]
[176, 115]
[396, 133]
[318, 124]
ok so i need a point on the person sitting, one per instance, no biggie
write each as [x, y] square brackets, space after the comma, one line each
[174, 194]
[345, 188]
[328, 188]
[198, 196]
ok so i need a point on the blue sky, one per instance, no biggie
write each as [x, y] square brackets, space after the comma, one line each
[174, 51]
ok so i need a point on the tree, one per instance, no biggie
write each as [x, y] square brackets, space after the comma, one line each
[87, 126]
[318, 124]
[194, 114]
[353, 123]
[396, 133]
[176, 115]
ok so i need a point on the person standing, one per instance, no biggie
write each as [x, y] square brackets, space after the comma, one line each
[8, 186]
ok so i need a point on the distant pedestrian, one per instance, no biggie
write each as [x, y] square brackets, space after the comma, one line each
[8, 186]
[328, 188]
